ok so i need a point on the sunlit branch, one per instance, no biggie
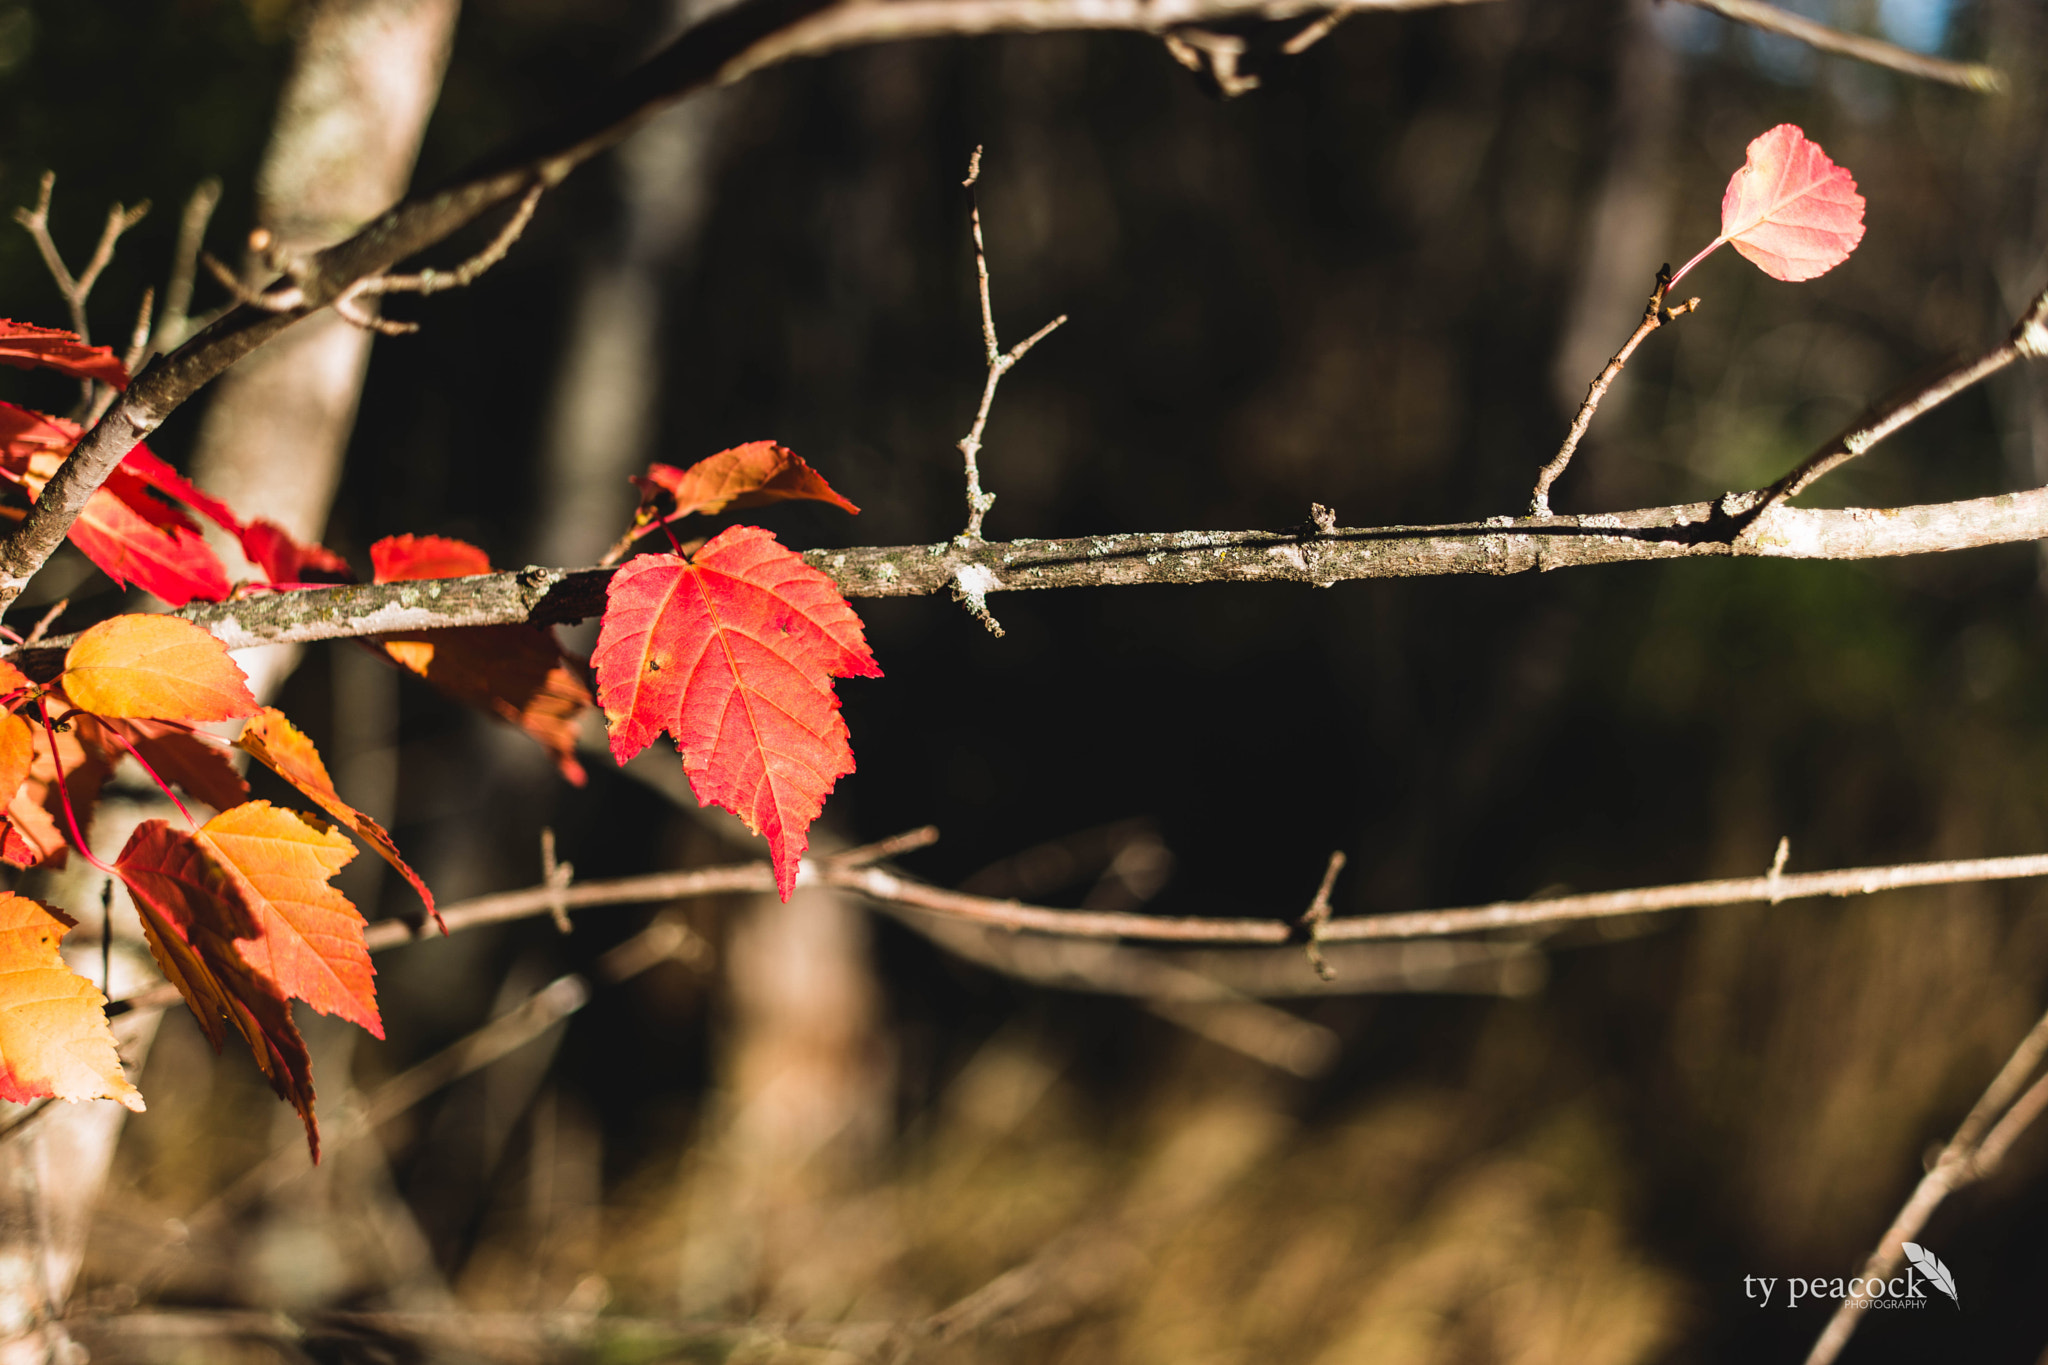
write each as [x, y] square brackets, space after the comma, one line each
[1503, 545]
[728, 46]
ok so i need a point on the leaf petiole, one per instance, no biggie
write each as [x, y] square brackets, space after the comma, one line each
[136, 754]
[64, 791]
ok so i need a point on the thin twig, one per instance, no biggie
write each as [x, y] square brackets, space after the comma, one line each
[1317, 918]
[437, 281]
[1987, 80]
[138, 346]
[1980, 1144]
[2028, 340]
[278, 301]
[667, 939]
[1654, 316]
[924, 836]
[555, 876]
[76, 289]
[966, 587]
[94, 396]
[349, 303]
[173, 325]
[43, 623]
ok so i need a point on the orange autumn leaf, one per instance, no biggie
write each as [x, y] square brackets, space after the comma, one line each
[272, 740]
[750, 475]
[309, 939]
[17, 753]
[12, 679]
[516, 673]
[155, 668]
[54, 1039]
[193, 911]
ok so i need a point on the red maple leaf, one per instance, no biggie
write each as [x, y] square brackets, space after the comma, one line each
[733, 653]
[28, 347]
[135, 538]
[516, 673]
[750, 475]
[1790, 209]
[125, 529]
[288, 562]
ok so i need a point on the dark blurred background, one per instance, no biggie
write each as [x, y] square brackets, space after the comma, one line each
[1379, 282]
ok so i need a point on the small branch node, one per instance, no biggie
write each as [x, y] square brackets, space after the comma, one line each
[973, 168]
[1317, 916]
[349, 310]
[1214, 55]
[1777, 872]
[972, 583]
[555, 877]
[282, 301]
[1324, 519]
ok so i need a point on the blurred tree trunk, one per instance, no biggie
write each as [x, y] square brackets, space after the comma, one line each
[803, 1109]
[365, 76]
[804, 1079]
[606, 406]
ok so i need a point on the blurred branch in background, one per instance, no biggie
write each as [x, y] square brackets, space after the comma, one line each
[2003, 1112]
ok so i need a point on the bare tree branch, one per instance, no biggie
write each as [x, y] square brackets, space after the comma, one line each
[1987, 80]
[1503, 545]
[730, 45]
[2028, 340]
[1980, 1143]
[665, 940]
[1853, 881]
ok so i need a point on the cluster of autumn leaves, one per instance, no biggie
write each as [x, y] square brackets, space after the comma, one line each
[731, 646]
[238, 911]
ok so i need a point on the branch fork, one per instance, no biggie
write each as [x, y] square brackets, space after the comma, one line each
[349, 303]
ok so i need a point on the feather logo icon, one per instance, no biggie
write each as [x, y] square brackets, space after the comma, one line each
[1929, 1264]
